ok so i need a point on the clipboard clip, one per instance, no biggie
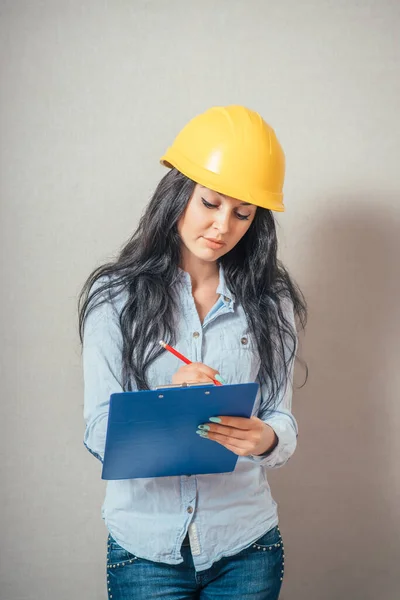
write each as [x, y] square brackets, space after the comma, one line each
[183, 385]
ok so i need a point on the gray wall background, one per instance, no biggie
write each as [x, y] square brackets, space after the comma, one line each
[92, 92]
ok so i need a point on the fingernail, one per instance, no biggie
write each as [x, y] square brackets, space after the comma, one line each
[201, 433]
[215, 420]
[206, 427]
[219, 378]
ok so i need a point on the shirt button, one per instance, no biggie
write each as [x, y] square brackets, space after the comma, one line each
[244, 341]
[190, 509]
[226, 299]
[196, 335]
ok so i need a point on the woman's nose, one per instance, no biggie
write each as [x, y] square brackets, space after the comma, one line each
[222, 222]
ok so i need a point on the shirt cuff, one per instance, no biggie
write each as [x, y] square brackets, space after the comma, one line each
[287, 441]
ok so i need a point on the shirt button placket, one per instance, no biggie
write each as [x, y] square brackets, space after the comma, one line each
[197, 338]
[189, 495]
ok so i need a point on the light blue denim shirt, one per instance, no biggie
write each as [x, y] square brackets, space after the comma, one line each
[223, 513]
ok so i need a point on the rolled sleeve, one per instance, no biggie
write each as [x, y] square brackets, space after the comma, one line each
[285, 427]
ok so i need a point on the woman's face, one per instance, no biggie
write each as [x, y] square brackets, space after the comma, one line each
[213, 224]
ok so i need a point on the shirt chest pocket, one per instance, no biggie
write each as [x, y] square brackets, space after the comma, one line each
[240, 361]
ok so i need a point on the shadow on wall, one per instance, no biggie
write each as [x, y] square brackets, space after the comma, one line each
[337, 496]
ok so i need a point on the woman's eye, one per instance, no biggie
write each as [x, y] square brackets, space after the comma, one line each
[243, 217]
[207, 204]
[238, 215]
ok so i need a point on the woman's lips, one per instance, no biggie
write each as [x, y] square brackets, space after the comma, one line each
[213, 243]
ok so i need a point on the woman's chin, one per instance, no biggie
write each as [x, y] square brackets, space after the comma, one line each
[208, 254]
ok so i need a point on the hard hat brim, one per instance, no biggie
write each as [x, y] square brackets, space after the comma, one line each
[262, 198]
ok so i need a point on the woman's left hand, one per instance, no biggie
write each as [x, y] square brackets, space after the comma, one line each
[241, 436]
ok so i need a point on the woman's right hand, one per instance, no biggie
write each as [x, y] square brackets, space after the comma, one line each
[194, 373]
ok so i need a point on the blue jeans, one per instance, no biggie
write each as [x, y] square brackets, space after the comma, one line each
[254, 574]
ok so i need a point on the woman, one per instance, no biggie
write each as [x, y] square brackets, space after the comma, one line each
[200, 272]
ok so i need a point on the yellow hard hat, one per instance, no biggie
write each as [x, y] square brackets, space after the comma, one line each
[233, 151]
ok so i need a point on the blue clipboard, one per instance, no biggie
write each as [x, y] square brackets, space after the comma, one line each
[152, 433]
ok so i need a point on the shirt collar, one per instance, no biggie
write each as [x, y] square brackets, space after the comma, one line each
[222, 288]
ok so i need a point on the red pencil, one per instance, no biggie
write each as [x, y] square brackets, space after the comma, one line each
[181, 357]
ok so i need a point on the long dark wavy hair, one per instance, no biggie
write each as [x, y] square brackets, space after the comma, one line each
[147, 267]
